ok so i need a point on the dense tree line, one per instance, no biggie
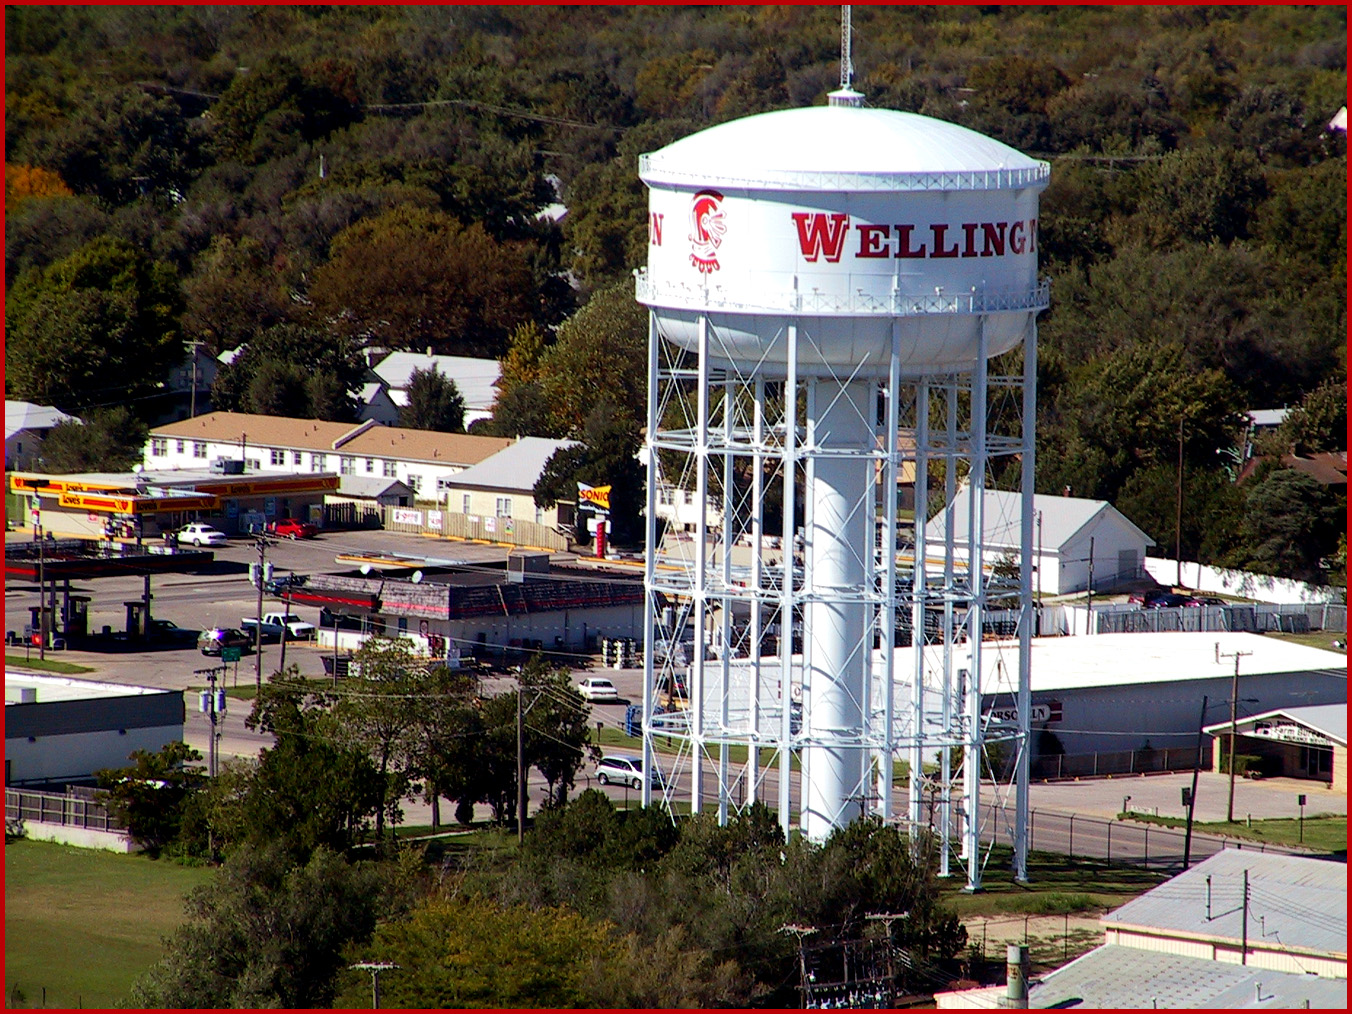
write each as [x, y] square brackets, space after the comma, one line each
[364, 176]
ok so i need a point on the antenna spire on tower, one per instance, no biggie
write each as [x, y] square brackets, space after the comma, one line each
[845, 95]
[846, 64]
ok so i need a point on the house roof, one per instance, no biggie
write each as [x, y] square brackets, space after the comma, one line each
[367, 438]
[1113, 977]
[368, 487]
[1268, 417]
[1300, 903]
[24, 415]
[517, 467]
[1329, 720]
[459, 449]
[474, 377]
[1063, 518]
[1328, 468]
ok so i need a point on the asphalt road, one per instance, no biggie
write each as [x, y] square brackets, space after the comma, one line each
[1073, 817]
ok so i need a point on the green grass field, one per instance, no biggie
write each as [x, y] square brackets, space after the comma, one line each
[47, 665]
[83, 923]
[1314, 639]
[1322, 833]
[1056, 885]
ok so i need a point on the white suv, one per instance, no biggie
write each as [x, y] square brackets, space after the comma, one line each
[199, 533]
[624, 771]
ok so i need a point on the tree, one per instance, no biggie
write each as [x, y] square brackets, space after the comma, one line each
[311, 790]
[292, 370]
[607, 456]
[414, 279]
[150, 797]
[468, 952]
[378, 715]
[443, 750]
[1319, 422]
[95, 328]
[265, 932]
[434, 403]
[557, 740]
[1291, 524]
[600, 355]
[232, 295]
[109, 440]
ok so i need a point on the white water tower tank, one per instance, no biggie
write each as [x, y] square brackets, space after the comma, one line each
[846, 221]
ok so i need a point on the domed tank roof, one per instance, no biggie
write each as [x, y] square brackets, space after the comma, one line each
[842, 148]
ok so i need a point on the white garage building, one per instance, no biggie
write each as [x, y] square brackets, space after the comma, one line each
[1073, 539]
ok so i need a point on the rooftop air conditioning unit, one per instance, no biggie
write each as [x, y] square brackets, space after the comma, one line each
[227, 466]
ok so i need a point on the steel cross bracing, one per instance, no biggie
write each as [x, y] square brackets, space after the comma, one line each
[729, 612]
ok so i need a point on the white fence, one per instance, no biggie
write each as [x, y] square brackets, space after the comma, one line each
[474, 527]
[1238, 582]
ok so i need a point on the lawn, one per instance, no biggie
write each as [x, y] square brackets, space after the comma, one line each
[1314, 639]
[47, 665]
[84, 923]
[1056, 885]
[1322, 832]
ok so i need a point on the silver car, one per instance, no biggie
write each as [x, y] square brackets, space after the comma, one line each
[621, 770]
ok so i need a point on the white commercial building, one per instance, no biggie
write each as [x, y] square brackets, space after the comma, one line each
[60, 730]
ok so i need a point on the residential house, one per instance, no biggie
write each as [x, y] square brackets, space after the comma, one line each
[503, 486]
[476, 379]
[26, 427]
[1075, 541]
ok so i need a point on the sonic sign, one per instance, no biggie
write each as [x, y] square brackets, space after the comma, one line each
[598, 497]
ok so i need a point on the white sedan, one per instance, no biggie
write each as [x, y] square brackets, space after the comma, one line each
[201, 534]
[596, 688]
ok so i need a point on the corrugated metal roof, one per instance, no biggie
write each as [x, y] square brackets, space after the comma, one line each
[1113, 977]
[1063, 517]
[1294, 902]
[517, 467]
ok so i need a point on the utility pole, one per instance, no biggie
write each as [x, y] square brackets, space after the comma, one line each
[1178, 512]
[1192, 796]
[520, 767]
[801, 932]
[1234, 723]
[212, 704]
[261, 544]
[192, 397]
[375, 968]
[286, 624]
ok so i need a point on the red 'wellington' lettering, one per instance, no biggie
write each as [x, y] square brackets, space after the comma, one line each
[993, 235]
[1016, 238]
[873, 240]
[820, 234]
[904, 248]
[937, 231]
[969, 238]
[654, 228]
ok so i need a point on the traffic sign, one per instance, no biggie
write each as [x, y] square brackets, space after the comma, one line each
[231, 654]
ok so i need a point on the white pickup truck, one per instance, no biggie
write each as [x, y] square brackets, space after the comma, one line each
[274, 623]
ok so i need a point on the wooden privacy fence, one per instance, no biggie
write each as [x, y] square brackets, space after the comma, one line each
[476, 527]
[24, 806]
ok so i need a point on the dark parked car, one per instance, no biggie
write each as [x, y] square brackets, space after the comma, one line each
[212, 641]
[1168, 600]
[168, 630]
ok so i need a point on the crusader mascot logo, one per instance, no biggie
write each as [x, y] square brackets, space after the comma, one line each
[708, 226]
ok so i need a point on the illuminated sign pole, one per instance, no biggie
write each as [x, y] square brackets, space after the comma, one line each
[598, 499]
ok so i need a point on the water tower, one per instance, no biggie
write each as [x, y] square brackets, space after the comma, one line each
[827, 290]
